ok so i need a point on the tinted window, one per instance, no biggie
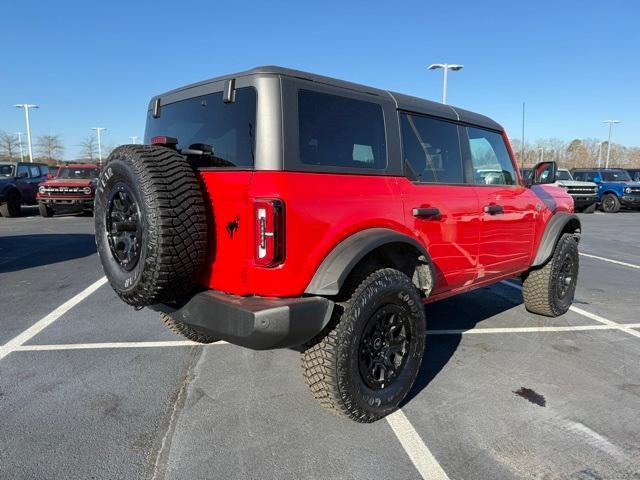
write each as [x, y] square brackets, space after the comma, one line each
[563, 175]
[67, 172]
[491, 161]
[229, 128]
[616, 176]
[35, 172]
[23, 170]
[6, 170]
[584, 176]
[44, 169]
[340, 131]
[431, 150]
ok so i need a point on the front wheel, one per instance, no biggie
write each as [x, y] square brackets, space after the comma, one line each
[363, 365]
[45, 211]
[549, 290]
[610, 203]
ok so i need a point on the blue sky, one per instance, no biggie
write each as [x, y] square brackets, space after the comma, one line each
[87, 64]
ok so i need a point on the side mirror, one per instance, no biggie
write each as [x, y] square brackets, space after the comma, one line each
[597, 180]
[543, 173]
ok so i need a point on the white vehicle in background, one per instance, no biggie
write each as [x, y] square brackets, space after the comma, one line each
[584, 194]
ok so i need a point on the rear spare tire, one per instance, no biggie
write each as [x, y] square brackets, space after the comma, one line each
[150, 223]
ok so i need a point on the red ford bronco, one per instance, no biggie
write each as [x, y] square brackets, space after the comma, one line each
[71, 190]
[275, 208]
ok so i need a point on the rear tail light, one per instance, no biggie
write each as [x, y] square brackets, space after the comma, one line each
[269, 232]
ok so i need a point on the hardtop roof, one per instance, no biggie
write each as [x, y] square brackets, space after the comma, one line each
[402, 101]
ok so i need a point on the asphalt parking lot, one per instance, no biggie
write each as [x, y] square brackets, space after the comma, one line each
[90, 388]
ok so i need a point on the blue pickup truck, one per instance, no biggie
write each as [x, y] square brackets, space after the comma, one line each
[615, 187]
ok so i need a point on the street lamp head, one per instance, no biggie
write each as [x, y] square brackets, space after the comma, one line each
[26, 105]
[612, 121]
[435, 66]
[455, 68]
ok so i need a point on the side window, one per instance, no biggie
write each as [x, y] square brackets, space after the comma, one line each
[340, 131]
[44, 170]
[492, 164]
[431, 150]
[35, 172]
[587, 176]
[23, 171]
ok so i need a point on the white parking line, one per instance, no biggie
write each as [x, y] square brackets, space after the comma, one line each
[420, 455]
[564, 328]
[113, 345]
[623, 327]
[610, 260]
[43, 323]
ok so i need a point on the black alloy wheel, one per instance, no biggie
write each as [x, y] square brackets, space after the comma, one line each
[124, 227]
[383, 346]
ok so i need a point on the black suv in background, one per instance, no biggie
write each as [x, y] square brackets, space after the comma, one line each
[19, 185]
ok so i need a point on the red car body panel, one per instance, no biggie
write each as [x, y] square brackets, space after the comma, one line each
[468, 247]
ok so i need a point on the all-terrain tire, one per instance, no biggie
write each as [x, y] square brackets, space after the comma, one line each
[151, 226]
[590, 209]
[610, 203]
[549, 290]
[185, 330]
[12, 206]
[331, 362]
[45, 211]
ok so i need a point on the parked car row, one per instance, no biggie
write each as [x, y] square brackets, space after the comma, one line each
[69, 189]
[609, 188]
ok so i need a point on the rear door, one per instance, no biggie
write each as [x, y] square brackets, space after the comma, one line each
[439, 205]
[507, 209]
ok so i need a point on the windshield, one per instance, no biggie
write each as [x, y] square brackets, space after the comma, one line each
[6, 170]
[616, 176]
[67, 172]
[207, 123]
[564, 175]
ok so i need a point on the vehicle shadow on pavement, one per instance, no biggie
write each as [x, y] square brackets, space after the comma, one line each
[462, 312]
[20, 252]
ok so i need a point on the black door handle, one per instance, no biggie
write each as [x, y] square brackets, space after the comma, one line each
[426, 213]
[493, 209]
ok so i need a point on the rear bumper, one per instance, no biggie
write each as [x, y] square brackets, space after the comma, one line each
[255, 322]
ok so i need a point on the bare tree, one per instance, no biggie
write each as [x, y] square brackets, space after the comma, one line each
[8, 145]
[89, 149]
[50, 149]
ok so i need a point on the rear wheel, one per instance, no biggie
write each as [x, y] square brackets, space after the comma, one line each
[367, 359]
[610, 203]
[45, 211]
[150, 224]
[12, 206]
[549, 290]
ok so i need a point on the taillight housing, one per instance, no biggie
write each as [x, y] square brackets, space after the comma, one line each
[268, 232]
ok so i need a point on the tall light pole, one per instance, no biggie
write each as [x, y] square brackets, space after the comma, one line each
[541, 154]
[600, 153]
[134, 139]
[98, 130]
[611, 123]
[19, 134]
[446, 67]
[26, 107]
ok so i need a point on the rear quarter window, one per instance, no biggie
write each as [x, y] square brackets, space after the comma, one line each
[337, 131]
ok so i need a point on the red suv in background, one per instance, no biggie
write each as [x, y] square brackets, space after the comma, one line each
[71, 190]
[276, 208]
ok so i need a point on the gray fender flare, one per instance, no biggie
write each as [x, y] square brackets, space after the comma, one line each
[551, 235]
[337, 265]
